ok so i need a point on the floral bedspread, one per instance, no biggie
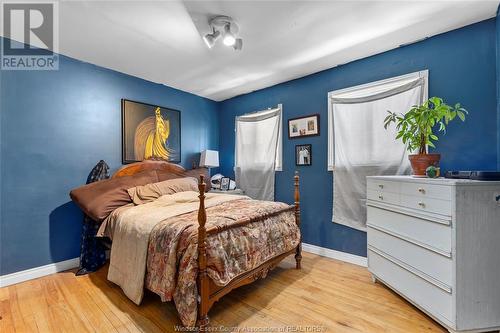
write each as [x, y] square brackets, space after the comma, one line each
[172, 264]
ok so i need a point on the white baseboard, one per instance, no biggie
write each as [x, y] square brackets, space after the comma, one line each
[333, 254]
[33, 273]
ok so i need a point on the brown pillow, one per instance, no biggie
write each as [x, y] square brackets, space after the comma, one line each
[99, 199]
[166, 175]
[150, 192]
[195, 173]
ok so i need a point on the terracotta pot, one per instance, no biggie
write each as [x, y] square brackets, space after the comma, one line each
[420, 162]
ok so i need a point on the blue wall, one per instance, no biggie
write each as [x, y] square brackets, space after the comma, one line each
[461, 66]
[55, 126]
[498, 84]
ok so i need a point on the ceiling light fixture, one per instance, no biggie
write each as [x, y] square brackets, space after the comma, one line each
[226, 27]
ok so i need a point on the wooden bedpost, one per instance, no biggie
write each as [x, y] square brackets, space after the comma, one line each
[298, 252]
[203, 282]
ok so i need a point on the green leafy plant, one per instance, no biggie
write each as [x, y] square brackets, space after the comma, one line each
[415, 128]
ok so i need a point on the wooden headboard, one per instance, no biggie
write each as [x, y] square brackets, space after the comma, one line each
[164, 166]
[133, 168]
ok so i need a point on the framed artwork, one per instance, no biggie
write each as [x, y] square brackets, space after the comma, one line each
[303, 155]
[150, 132]
[303, 126]
[224, 183]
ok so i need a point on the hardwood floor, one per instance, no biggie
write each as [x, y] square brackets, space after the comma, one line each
[326, 295]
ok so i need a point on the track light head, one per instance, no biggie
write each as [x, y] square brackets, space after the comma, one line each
[210, 39]
[229, 38]
[238, 44]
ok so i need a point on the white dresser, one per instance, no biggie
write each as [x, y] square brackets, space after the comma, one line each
[436, 242]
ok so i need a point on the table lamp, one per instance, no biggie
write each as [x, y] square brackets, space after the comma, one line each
[209, 159]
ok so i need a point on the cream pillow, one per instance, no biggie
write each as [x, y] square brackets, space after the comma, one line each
[150, 192]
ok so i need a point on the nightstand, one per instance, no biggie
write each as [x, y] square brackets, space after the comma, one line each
[236, 191]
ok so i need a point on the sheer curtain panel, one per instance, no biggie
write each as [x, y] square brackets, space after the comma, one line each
[358, 144]
[258, 152]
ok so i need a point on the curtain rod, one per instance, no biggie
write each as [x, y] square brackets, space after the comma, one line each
[268, 109]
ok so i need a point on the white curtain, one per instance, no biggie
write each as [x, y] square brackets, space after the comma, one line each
[258, 152]
[359, 146]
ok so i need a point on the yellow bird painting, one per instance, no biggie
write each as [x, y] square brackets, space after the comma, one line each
[151, 138]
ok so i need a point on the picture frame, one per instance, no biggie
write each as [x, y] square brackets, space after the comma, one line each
[303, 126]
[224, 183]
[141, 141]
[303, 155]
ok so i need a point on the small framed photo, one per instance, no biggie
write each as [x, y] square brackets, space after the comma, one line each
[303, 155]
[303, 126]
[224, 183]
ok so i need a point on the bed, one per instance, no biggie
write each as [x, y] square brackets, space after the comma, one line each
[201, 246]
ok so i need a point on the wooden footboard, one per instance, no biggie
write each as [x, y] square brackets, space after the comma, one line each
[209, 293]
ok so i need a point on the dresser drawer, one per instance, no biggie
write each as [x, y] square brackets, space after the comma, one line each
[412, 286]
[423, 190]
[383, 185]
[383, 196]
[429, 205]
[436, 235]
[422, 259]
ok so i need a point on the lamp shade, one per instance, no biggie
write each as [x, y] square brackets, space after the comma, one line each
[209, 159]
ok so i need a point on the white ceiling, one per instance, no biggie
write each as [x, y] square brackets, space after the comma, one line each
[161, 41]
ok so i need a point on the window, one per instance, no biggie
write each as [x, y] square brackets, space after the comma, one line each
[358, 144]
[258, 152]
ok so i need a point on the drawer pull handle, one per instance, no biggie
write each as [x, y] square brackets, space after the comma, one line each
[421, 190]
[381, 186]
[381, 197]
[421, 204]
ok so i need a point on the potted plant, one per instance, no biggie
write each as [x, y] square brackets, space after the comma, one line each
[415, 128]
